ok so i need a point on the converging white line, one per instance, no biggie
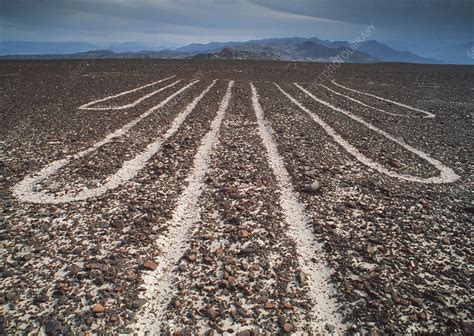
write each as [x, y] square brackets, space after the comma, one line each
[426, 113]
[159, 283]
[362, 103]
[325, 307]
[447, 175]
[87, 106]
[26, 191]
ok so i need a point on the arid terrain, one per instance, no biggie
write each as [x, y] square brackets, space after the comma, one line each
[235, 197]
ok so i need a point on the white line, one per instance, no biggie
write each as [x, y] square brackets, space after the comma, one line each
[426, 113]
[325, 307]
[159, 283]
[446, 175]
[362, 103]
[25, 190]
[86, 106]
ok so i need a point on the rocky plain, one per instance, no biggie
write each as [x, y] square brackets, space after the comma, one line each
[184, 197]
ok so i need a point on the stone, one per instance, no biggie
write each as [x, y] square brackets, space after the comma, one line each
[249, 249]
[150, 265]
[10, 296]
[329, 327]
[247, 332]
[74, 269]
[244, 234]
[288, 305]
[53, 327]
[98, 308]
[138, 303]
[114, 318]
[287, 327]
[302, 278]
[232, 280]
[312, 187]
[268, 305]
[371, 249]
[192, 258]
[224, 284]
[211, 313]
[177, 304]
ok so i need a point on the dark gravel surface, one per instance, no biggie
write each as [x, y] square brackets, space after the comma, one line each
[244, 278]
[400, 251]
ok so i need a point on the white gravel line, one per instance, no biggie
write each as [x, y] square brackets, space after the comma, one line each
[426, 113]
[362, 103]
[86, 106]
[447, 175]
[26, 191]
[159, 283]
[325, 306]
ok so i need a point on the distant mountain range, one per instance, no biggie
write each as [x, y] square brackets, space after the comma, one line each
[450, 53]
[65, 48]
[229, 53]
[288, 49]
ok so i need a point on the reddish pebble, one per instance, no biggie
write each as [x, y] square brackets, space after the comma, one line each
[287, 305]
[150, 265]
[98, 308]
[287, 327]
[243, 234]
[232, 280]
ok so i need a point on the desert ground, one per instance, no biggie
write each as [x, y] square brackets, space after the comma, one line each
[235, 197]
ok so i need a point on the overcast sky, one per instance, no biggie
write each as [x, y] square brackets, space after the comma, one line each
[179, 22]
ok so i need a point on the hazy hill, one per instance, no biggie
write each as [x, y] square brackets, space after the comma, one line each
[290, 49]
[229, 53]
[457, 54]
[41, 48]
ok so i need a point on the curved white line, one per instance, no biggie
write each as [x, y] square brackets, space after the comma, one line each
[159, 283]
[446, 175]
[325, 307]
[86, 106]
[427, 114]
[362, 103]
[25, 190]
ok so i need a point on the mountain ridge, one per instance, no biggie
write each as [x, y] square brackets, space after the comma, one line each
[288, 49]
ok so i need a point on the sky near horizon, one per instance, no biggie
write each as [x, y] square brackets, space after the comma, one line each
[179, 22]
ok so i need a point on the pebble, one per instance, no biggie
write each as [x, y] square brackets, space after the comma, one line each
[53, 327]
[288, 305]
[98, 308]
[74, 269]
[224, 284]
[10, 296]
[312, 187]
[150, 265]
[268, 305]
[287, 327]
[329, 327]
[177, 304]
[302, 278]
[243, 234]
[138, 303]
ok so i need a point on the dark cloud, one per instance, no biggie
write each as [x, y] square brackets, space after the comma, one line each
[404, 19]
[185, 21]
